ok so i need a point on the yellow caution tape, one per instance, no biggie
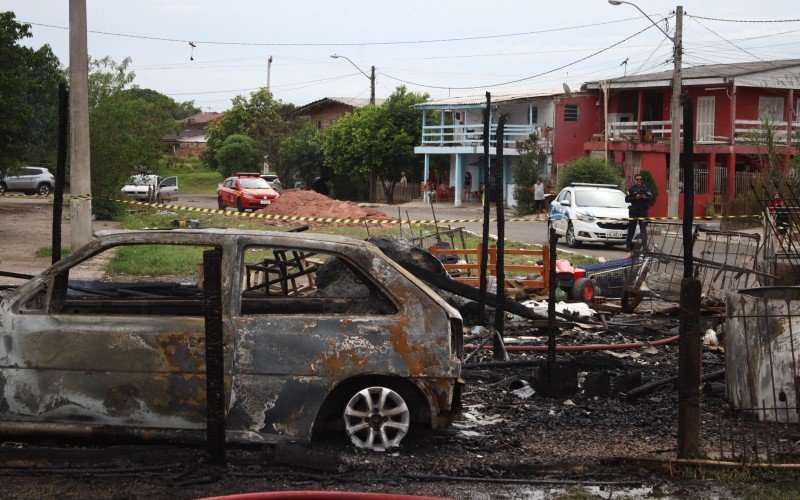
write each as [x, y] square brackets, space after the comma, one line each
[338, 220]
[344, 220]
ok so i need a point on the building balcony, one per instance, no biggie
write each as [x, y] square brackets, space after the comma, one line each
[745, 132]
[471, 135]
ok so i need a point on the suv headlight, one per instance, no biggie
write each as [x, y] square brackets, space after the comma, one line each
[248, 196]
[585, 218]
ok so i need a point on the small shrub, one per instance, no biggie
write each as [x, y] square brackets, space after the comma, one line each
[590, 170]
[108, 209]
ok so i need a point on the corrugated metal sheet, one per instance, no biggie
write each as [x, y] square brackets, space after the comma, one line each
[727, 72]
[517, 95]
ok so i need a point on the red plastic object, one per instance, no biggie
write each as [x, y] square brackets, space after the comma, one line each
[579, 273]
[319, 495]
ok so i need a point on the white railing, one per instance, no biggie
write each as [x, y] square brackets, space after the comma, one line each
[622, 131]
[471, 135]
[752, 131]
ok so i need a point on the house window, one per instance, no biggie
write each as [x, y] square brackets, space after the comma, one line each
[570, 112]
[319, 124]
[534, 115]
[332, 122]
[770, 109]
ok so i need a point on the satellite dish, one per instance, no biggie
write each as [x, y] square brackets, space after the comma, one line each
[567, 91]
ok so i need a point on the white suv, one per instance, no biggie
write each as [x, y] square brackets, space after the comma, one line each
[584, 213]
[31, 180]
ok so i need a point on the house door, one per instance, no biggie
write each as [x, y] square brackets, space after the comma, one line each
[705, 119]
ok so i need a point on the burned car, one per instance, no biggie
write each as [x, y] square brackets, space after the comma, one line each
[321, 334]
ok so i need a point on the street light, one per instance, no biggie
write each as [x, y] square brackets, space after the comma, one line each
[371, 78]
[675, 104]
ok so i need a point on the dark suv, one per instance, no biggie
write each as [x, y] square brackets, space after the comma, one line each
[31, 180]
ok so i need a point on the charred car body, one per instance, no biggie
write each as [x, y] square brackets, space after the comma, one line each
[107, 355]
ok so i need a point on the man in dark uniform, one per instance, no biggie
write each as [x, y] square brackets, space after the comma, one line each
[640, 199]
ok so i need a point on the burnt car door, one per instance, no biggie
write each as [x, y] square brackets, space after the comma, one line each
[91, 343]
[310, 318]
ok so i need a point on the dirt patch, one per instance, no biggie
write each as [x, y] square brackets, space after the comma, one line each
[26, 226]
[313, 204]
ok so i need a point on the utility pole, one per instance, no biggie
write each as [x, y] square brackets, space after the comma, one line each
[675, 104]
[372, 87]
[80, 203]
[675, 114]
[269, 70]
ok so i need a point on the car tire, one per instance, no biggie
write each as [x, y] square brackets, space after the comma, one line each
[2, 188]
[376, 418]
[44, 189]
[572, 241]
[239, 206]
[584, 290]
[220, 205]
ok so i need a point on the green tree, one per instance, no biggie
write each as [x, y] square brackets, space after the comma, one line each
[29, 95]
[107, 77]
[377, 137]
[304, 151]
[126, 135]
[592, 170]
[266, 120]
[238, 153]
[526, 171]
[650, 183]
[178, 110]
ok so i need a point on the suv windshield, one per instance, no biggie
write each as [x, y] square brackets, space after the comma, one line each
[600, 198]
[253, 183]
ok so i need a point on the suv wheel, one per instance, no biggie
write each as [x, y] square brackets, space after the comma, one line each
[376, 418]
[2, 188]
[239, 206]
[43, 189]
[220, 205]
[572, 241]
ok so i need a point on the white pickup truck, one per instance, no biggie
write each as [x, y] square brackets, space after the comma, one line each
[151, 188]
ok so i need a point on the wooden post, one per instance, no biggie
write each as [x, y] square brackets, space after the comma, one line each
[546, 265]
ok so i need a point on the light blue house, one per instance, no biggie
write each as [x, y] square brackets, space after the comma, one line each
[454, 127]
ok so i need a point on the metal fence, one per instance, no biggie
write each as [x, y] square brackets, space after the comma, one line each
[723, 260]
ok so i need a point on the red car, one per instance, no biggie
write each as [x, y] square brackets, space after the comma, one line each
[245, 190]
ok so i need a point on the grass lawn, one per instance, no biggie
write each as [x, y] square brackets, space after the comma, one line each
[193, 176]
[165, 260]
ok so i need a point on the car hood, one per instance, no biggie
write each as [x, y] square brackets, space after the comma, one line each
[261, 192]
[603, 212]
[130, 188]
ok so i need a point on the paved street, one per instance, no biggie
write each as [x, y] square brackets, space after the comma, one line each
[528, 232]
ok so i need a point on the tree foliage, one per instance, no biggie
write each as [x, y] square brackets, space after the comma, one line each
[304, 152]
[29, 95]
[126, 136]
[592, 170]
[107, 77]
[178, 110]
[379, 137]
[262, 118]
[238, 153]
[526, 171]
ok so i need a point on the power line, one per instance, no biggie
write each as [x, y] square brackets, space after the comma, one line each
[527, 77]
[725, 39]
[274, 86]
[341, 44]
[745, 20]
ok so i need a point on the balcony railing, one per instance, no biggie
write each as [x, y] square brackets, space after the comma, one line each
[746, 131]
[472, 135]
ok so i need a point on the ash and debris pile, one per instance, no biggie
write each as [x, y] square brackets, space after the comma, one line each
[312, 204]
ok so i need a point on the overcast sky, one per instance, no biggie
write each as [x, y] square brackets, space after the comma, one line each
[233, 40]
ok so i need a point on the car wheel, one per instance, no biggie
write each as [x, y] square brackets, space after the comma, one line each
[220, 205]
[43, 189]
[376, 418]
[239, 206]
[2, 188]
[572, 241]
[584, 290]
